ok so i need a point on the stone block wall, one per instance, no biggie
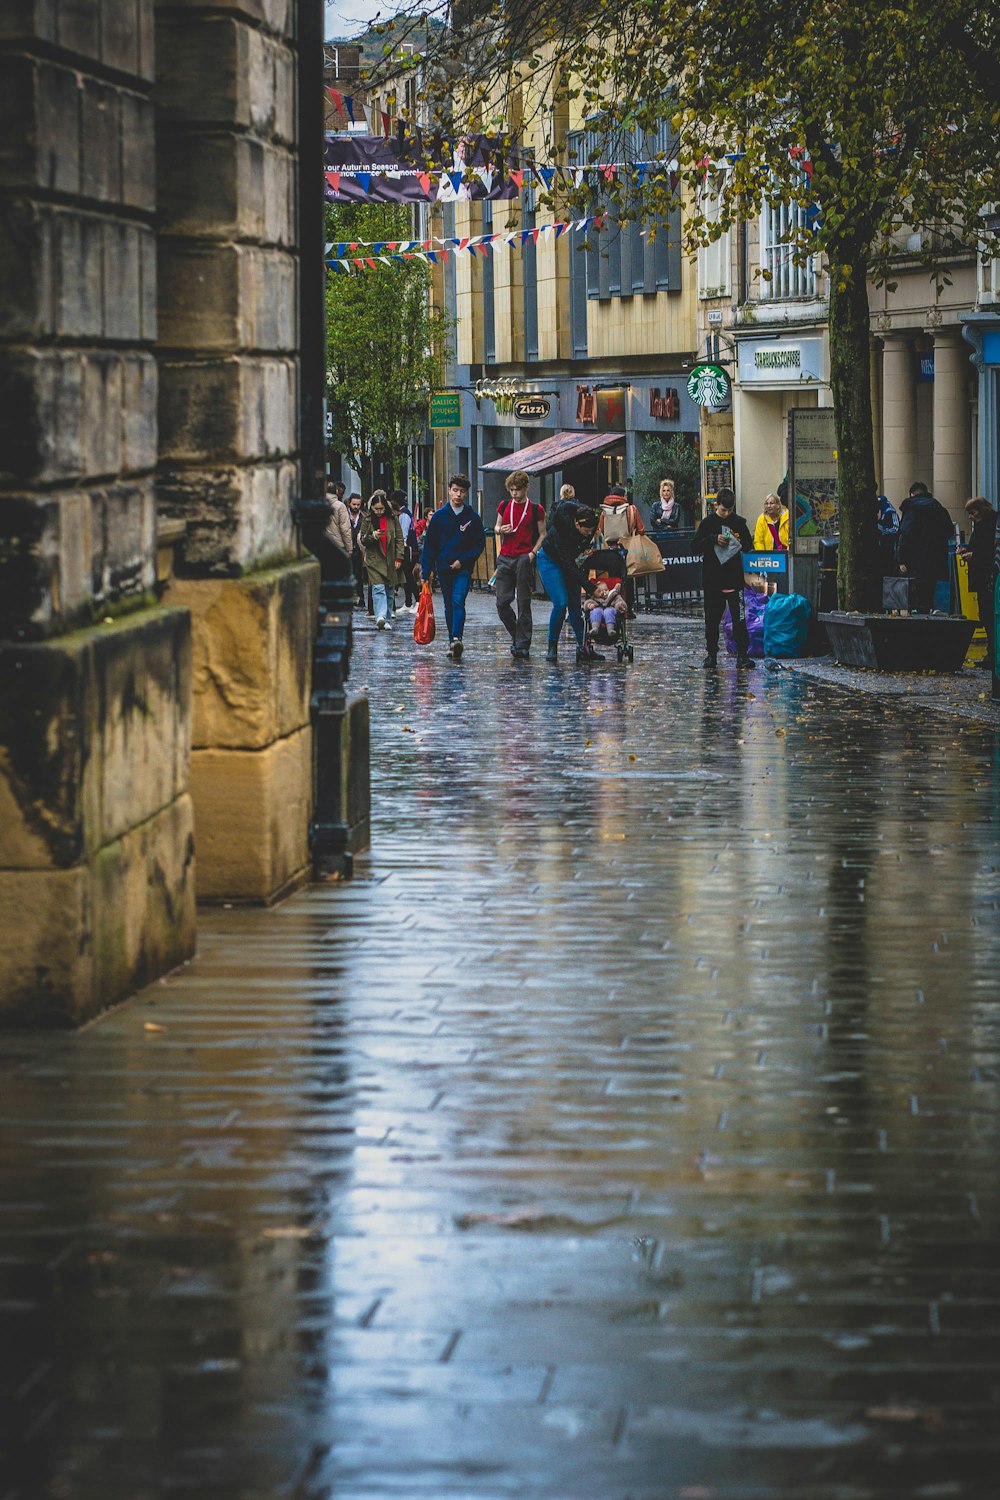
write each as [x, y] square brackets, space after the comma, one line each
[149, 365]
[229, 416]
[228, 296]
[77, 312]
[96, 845]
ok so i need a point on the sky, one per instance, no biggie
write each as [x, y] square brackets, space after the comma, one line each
[348, 17]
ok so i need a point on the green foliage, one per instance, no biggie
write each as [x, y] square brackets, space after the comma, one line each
[673, 458]
[384, 344]
[896, 108]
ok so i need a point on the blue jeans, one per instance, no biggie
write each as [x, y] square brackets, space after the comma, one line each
[383, 600]
[454, 592]
[565, 599]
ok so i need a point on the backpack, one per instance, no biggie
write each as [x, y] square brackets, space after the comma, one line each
[615, 522]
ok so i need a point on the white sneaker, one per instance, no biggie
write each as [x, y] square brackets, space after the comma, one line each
[380, 623]
[386, 626]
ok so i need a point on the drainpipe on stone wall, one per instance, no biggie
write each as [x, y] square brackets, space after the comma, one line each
[341, 795]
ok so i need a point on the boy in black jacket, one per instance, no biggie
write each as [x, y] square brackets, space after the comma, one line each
[722, 538]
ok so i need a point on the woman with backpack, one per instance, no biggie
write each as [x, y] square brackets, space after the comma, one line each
[620, 519]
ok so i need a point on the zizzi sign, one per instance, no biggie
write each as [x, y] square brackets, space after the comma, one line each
[768, 362]
[532, 408]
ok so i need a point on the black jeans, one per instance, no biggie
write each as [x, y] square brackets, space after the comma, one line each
[715, 607]
[515, 578]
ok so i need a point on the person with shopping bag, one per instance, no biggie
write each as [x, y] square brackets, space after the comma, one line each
[621, 526]
[453, 541]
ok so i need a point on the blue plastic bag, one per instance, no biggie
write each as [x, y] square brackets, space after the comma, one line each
[786, 625]
[754, 604]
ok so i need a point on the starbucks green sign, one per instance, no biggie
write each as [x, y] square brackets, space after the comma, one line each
[708, 385]
[445, 409]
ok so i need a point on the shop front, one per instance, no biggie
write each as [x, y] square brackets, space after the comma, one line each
[775, 374]
[982, 331]
[601, 424]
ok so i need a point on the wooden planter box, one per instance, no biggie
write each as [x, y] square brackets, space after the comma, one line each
[899, 643]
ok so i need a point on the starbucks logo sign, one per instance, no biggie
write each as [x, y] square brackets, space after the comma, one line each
[708, 385]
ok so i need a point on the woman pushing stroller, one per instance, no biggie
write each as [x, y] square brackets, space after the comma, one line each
[570, 535]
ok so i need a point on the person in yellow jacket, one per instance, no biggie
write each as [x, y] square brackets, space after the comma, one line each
[771, 531]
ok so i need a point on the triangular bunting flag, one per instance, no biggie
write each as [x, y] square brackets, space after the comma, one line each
[364, 181]
[369, 262]
[517, 178]
[548, 175]
[534, 235]
[349, 105]
[337, 100]
[425, 181]
[386, 124]
[455, 178]
[333, 181]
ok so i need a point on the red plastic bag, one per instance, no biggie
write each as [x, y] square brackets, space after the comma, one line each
[423, 625]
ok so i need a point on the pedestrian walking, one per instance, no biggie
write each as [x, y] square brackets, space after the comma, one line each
[356, 515]
[338, 527]
[925, 529]
[980, 554]
[453, 540]
[770, 533]
[665, 512]
[569, 536]
[382, 539]
[520, 529]
[887, 526]
[722, 538]
[403, 514]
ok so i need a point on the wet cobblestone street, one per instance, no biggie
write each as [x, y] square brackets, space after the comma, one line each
[627, 1128]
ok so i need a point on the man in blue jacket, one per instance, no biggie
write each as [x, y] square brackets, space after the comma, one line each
[453, 540]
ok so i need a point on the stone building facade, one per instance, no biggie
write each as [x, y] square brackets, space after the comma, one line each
[156, 615]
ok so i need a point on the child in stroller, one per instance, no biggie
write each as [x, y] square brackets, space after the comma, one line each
[606, 611]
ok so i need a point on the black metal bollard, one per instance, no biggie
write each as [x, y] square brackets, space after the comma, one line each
[340, 826]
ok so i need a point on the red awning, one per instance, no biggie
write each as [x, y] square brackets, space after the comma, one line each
[556, 451]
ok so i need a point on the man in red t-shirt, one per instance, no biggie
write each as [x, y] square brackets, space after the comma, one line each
[520, 530]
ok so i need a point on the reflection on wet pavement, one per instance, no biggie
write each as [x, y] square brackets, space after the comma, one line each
[628, 1128]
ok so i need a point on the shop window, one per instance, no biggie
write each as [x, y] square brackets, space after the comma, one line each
[489, 305]
[634, 256]
[529, 261]
[714, 259]
[783, 275]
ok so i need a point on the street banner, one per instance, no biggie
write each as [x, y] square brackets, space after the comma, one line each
[370, 168]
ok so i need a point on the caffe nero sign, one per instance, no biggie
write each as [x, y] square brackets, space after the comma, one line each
[532, 408]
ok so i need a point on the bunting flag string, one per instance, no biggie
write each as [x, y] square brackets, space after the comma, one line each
[343, 257]
[576, 175]
[346, 249]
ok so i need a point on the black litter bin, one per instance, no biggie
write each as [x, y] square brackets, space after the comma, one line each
[829, 547]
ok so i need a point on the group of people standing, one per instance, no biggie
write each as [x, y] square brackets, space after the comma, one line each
[391, 551]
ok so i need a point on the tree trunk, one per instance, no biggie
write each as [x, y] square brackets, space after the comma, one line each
[850, 380]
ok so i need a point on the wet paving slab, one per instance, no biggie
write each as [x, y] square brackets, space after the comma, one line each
[627, 1128]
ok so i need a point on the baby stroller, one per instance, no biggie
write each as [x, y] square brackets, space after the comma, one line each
[609, 566]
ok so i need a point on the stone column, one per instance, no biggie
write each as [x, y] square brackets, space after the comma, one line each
[229, 431]
[899, 416]
[96, 847]
[951, 422]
